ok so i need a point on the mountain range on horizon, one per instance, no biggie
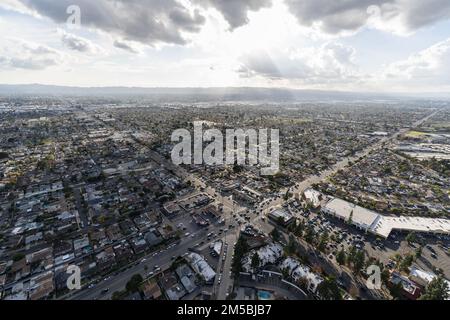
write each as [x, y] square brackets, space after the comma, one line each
[210, 94]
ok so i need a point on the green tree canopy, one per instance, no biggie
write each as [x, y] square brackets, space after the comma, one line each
[133, 284]
[341, 257]
[329, 290]
[437, 289]
[255, 261]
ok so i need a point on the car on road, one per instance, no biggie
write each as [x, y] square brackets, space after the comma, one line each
[105, 291]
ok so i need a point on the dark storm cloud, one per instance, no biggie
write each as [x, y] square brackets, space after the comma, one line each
[235, 11]
[335, 16]
[422, 13]
[146, 21]
[350, 15]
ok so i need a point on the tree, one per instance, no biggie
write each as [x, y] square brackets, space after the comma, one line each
[396, 290]
[359, 261]
[310, 235]
[341, 257]
[280, 221]
[117, 295]
[239, 251]
[323, 242]
[291, 247]
[385, 275]
[18, 257]
[255, 261]
[329, 290]
[418, 252]
[237, 168]
[398, 260]
[285, 272]
[437, 289]
[133, 284]
[287, 195]
[351, 255]
[350, 218]
[411, 238]
[275, 234]
[406, 262]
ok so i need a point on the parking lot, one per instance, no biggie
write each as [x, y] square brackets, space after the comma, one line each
[435, 254]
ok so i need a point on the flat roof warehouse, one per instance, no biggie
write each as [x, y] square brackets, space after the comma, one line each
[383, 225]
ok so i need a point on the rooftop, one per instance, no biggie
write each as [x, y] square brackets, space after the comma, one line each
[347, 211]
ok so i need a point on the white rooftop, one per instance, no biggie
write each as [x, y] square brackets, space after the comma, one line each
[427, 276]
[201, 266]
[385, 225]
[345, 210]
[312, 196]
[299, 271]
[267, 254]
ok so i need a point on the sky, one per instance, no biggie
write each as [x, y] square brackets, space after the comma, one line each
[348, 45]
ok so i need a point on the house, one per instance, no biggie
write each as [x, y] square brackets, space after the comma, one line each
[269, 254]
[201, 267]
[81, 245]
[152, 238]
[173, 289]
[300, 273]
[123, 251]
[41, 286]
[187, 277]
[105, 259]
[151, 290]
[139, 244]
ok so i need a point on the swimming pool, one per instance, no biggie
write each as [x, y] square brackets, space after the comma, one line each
[264, 295]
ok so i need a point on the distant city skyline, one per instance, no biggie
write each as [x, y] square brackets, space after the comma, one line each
[357, 45]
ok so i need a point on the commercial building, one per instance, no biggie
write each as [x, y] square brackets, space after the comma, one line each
[281, 217]
[381, 225]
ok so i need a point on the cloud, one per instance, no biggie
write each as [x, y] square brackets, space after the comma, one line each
[20, 54]
[235, 12]
[332, 62]
[127, 46]
[77, 43]
[429, 67]
[146, 21]
[15, 5]
[348, 16]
